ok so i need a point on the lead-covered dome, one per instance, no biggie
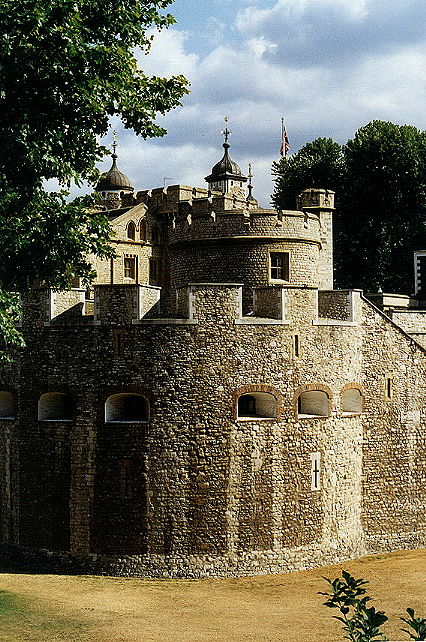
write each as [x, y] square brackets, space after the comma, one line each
[225, 168]
[114, 180]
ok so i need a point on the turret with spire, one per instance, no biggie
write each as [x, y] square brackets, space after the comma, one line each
[113, 183]
[226, 175]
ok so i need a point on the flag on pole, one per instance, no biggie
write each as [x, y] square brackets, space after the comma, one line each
[285, 145]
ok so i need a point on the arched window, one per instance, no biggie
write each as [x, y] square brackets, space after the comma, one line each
[143, 234]
[131, 231]
[55, 406]
[313, 403]
[126, 406]
[351, 401]
[257, 404]
[7, 405]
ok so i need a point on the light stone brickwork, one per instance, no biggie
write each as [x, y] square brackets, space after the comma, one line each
[198, 485]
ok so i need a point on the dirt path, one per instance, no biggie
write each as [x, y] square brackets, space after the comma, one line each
[264, 608]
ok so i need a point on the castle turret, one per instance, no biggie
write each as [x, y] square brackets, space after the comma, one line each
[113, 185]
[321, 203]
[226, 176]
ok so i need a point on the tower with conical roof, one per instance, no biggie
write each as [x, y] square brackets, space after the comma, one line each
[226, 175]
[113, 184]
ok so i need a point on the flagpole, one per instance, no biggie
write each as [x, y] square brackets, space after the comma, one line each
[285, 146]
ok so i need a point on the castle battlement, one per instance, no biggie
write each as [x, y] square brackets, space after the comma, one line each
[121, 304]
[201, 218]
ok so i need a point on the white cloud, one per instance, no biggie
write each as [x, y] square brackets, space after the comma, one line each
[259, 78]
[167, 56]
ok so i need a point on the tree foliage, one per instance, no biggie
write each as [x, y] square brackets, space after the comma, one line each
[380, 183]
[316, 164]
[66, 67]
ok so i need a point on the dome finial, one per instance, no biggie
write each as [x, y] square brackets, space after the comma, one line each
[226, 133]
[114, 145]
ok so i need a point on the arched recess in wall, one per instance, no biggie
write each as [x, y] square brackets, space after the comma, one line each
[313, 400]
[253, 402]
[7, 405]
[131, 231]
[143, 230]
[55, 406]
[126, 407]
[351, 399]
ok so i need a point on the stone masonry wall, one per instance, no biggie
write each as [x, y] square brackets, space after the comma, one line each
[213, 494]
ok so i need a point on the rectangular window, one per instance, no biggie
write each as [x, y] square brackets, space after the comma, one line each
[279, 266]
[389, 388]
[315, 471]
[296, 346]
[130, 267]
[118, 344]
[420, 274]
[153, 271]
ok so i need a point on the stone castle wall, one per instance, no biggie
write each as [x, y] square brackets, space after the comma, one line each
[213, 493]
[331, 468]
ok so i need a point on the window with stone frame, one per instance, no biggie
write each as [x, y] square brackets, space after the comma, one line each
[351, 401]
[55, 406]
[257, 405]
[313, 403]
[131, 231]
[143, 230]
[130, 267]
[7, 405]
[126, 407]
[118, 344]
[388, 388]
[315, 471]
[279, 266]
[154, 271]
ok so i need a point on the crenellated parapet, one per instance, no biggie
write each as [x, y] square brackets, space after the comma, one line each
[208, 218]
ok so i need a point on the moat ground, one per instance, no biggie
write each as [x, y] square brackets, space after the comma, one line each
[273, 607]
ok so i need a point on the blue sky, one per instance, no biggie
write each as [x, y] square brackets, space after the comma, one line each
[327, 66]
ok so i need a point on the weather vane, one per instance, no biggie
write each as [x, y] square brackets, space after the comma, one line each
[226, 131]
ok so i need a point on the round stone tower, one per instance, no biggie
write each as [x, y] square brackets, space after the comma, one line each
[225, 239]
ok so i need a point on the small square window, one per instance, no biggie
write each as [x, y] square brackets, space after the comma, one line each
[279, 266]
[130, 267]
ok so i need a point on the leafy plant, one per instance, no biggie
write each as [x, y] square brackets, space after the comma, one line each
[360, 622]
[418, 624]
